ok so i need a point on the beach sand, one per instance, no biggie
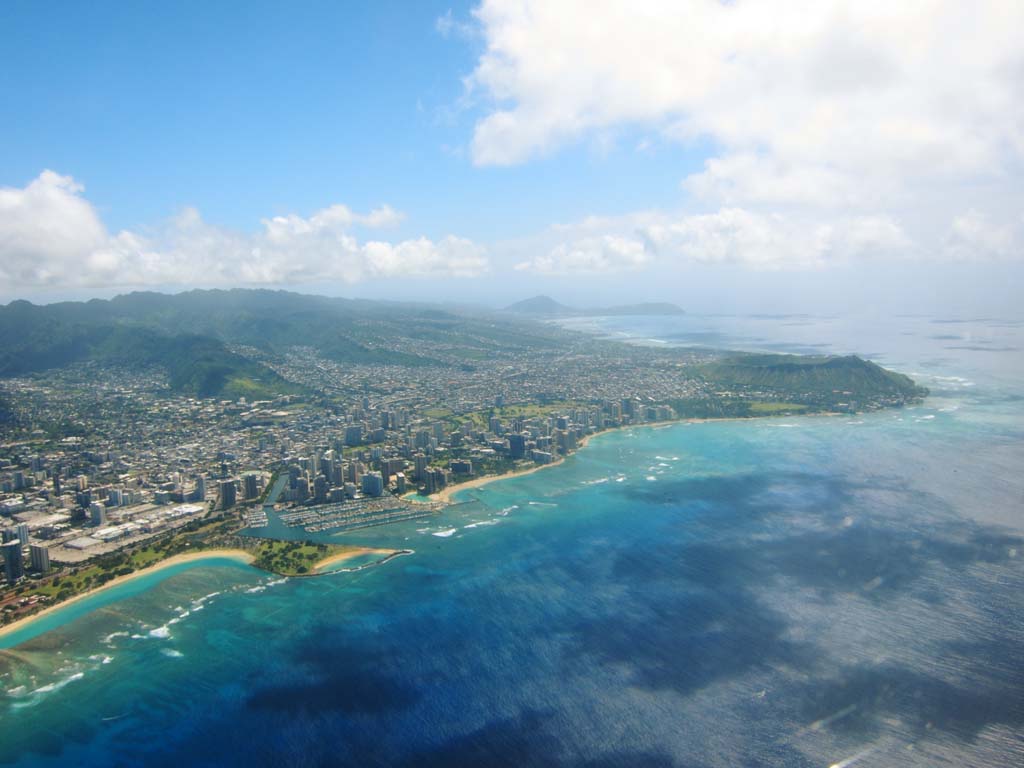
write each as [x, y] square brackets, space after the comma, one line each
[206, 554]
[351, 554]
[478, 482]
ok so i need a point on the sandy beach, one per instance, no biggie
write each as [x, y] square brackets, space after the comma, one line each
[208, 554]
[478, 482]
[351, 554]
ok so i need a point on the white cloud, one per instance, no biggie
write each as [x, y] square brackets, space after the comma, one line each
[44, 226]
[774, 241]
[747, 177]
[728, 236]
[840, 85]
[447, 26]
[974, 235]
[838, 129]
[50, 236]
[591, 255]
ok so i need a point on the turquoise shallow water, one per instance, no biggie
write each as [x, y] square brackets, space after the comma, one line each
[780, 592]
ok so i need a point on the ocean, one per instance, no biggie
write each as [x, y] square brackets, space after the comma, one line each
[815, 591]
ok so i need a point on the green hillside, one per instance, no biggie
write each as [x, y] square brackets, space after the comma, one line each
[823, 381]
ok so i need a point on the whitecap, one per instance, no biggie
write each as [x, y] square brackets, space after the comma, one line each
[161, 632]
[172, 653]
[446, 534]
[56, 686]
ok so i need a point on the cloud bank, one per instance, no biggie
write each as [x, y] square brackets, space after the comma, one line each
[51, 236]
[838, 129]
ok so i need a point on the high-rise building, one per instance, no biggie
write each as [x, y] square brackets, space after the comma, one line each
[354, 434]
[200, 492]
[23, 534]
[516, 445]
[320, 487]
[14, 568]
[39, 557]
[436, 480]
[227, 494]
[98, 513]
[252, 490]
[420, 463]
[373, 484]
[462, 467]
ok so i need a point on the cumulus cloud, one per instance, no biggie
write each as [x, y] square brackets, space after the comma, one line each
[737, 236]
[835, 84]
[729, 236]
[44, 226]
[50, 235]
[592, 255]
[974, 235]
[838, 129]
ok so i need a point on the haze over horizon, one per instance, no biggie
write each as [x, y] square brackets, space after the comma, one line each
[854, 157]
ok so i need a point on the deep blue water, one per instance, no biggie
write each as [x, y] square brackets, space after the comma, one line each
[797, 591]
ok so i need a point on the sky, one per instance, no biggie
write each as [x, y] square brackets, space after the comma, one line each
[727, 156]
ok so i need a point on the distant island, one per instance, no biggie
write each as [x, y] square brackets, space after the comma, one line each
[151, 426]
[545, 306]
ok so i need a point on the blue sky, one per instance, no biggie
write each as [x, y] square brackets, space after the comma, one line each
[558, 147]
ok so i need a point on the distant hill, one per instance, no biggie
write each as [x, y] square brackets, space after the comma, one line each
[540, 305]
[545, 306]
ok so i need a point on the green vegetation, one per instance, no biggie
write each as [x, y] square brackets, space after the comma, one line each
[772, 383]
[775, 409]
[286, 558]
[291, 558]
[195, 336]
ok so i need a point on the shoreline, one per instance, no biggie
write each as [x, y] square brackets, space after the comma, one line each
[209, 554]
[341, 557]
[446, 494]
[478, 482]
